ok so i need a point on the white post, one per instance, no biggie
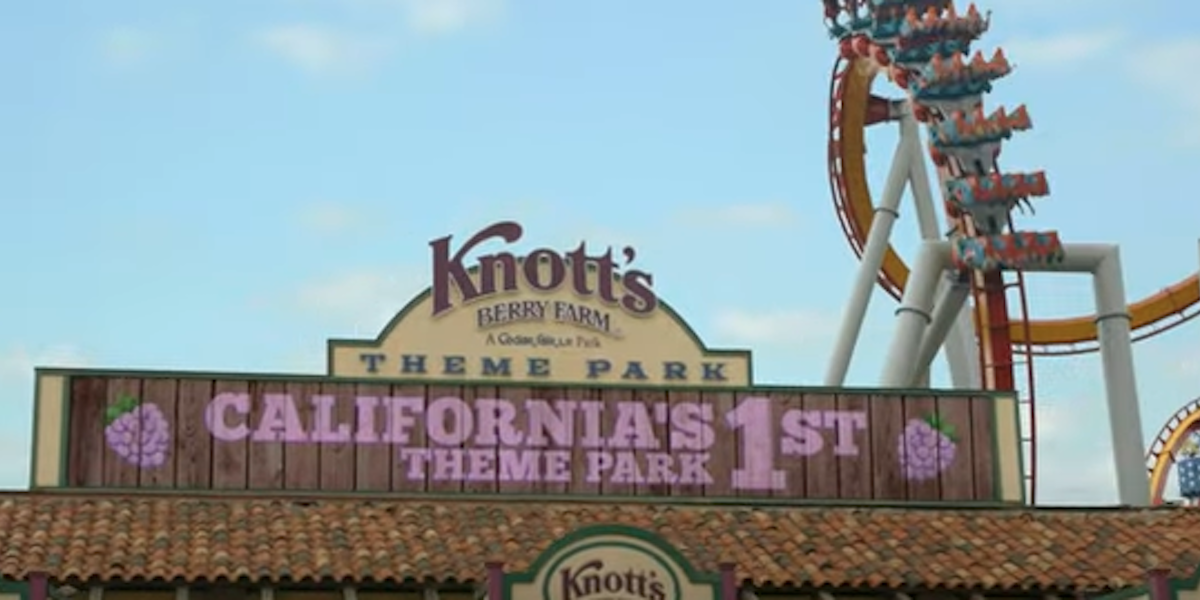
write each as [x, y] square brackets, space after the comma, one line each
[951, 299]
[1103, 261]
[886, 213]
[914, 314]
[1116, 356]
[961, 351]
[923, 200]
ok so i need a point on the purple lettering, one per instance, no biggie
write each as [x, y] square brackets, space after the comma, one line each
[280, 421]
[659, 467]
[693, 469]
[592, 412]
[401, 419]
[633, 427]
[533, 269]
[324, 429]
[625, 469]
[495, 425]
[481, 465]
[753, 418]
[691, 426]
[801, 436]
[365, 408]
[556, 421]
[518, 465]
[447, 464]
[845, 423]
[578, 260]
[558, 466]
[598, 463]
[216, 416]
[416, 459]
[448, 421]
[604, 279]
[802, 431]
[541, 270]
[449, 270]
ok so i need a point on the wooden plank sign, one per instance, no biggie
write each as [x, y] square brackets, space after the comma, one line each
[338, 435]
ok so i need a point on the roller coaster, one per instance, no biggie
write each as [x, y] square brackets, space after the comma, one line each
[923, 47]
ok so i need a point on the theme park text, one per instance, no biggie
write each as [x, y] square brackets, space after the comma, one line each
[534, 440]
[542, 270]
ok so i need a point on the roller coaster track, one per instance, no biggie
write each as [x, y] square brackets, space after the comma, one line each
[850, 113]
[1170, 438]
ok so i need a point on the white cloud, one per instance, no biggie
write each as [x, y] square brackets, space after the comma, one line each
[1083, 478]
[127, 46]
[330, 219]
[364, 299]
[1075, 464]
[1052, 420]
[324, 51]
[784, 327]
[442, 17]
[763, 214]
[1014, 10]
[1166, 69]
[1062, 50]
[17, 364]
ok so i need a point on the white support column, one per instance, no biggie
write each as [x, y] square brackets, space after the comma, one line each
[924, 202]
[914, 316]
[960, 346]
[1116, 356]
[952, 297]
[1103, 261]
[962, 351]
[886, 213]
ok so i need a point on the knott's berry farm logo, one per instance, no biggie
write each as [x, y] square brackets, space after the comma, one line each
[597, 278]
[611, 563]
[595, 579]
[580, 316]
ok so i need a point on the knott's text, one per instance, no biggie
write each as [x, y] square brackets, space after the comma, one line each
[592, 580]
[505, 272]
[617, 442]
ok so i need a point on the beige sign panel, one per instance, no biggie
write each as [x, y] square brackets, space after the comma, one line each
[575, 316]
[611, 563]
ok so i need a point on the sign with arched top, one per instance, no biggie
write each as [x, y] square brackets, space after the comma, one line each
[565, 316]
[611, 562]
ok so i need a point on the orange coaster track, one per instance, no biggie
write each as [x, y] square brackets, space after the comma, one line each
[1167, 444]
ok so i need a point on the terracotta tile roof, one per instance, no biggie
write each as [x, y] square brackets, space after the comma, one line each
[206, 537]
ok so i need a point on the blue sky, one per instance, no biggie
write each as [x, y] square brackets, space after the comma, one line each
[221, 186]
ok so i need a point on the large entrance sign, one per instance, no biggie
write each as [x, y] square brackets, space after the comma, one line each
[573, 316]
[611, 562]
[552, 373]
[307, 434]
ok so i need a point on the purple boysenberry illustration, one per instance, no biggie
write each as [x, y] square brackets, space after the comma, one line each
[137, 432]
[926, 447]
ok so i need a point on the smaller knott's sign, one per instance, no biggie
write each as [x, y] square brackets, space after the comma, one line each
[567, 316]
[611, 563]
